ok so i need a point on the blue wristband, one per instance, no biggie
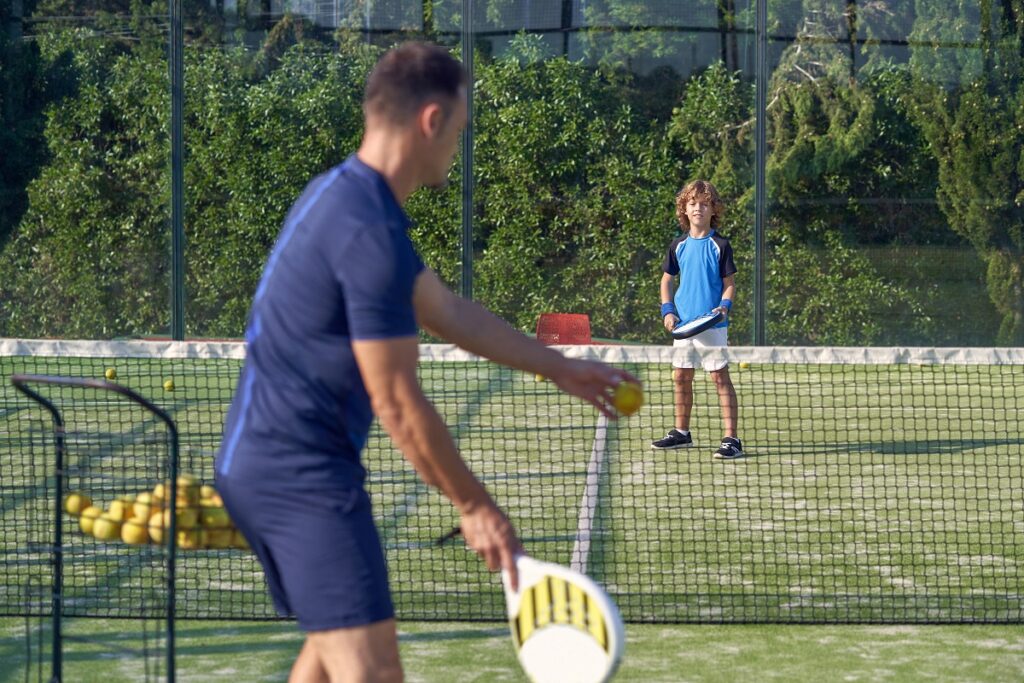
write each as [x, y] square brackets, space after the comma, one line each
[726, 303]
[668, 308]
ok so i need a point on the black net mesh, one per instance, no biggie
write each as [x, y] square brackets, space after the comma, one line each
[879, 485]
[70, 454]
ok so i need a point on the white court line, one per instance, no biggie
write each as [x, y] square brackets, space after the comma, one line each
[588, 505]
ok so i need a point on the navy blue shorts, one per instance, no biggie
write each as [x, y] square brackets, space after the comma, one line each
[320, 552]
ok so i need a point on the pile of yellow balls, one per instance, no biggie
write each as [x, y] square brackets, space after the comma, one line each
[202, 521]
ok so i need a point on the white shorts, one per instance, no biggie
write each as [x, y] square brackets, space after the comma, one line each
[700, 350]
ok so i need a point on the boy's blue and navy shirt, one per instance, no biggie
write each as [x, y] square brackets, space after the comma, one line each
[701, 264]
[343, 269]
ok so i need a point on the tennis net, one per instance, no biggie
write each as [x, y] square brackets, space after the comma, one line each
[880, 485]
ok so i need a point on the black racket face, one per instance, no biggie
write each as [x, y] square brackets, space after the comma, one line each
[696, 326]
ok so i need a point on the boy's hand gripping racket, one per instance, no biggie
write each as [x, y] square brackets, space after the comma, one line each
[694, 327]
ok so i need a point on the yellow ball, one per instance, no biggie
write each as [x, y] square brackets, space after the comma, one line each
[628, 398]
[219, 537]
[144, 506]
[239, 541]
[76, 502]
[88, 517]
[133, 532]
[744, 364]
[192, 539]
[106, 529]
[110, 374]
[119, 510]
[156, 527]
[169, 385]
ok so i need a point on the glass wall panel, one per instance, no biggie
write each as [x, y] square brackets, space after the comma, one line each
[891, 202]
[863, 249]
[587, 124]
[273, 98]
[84, 185]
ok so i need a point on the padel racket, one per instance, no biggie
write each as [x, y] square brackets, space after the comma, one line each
[565, 627]
[697, 325]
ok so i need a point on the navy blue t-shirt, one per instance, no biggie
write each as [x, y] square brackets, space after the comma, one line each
[343, 268]
[701, 264]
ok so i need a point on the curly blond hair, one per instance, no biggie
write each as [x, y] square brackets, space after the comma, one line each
[699, 189]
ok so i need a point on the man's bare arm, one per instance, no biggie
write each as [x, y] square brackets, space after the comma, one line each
[472, 327]
[388, 368]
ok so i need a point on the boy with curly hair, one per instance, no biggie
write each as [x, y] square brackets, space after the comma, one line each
[703, 261]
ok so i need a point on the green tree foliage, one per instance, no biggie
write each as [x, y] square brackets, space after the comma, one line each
[23, 96]
[624, 30]
[89, 256]
[576, 169]
[969, 101]
[574, 197]
[252, 147]
[820, 289]
[842, 155]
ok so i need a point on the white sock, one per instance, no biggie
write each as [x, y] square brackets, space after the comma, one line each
[684, 432]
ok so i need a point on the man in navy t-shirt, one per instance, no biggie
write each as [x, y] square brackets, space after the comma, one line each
[332, 342]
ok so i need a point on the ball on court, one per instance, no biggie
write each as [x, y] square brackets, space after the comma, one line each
[628, 398]
[110, 374]
[168, 385]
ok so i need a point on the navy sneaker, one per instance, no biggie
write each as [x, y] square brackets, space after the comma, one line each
[730, 449]
[674, 439]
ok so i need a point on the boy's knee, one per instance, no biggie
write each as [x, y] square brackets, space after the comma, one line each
[683, 376]
[721, 378]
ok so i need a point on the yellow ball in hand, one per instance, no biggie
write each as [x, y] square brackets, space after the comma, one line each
[628, 398]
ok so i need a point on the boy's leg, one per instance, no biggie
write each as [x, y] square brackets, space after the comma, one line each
[682, 385]
[682, 399]
[727, 400]
[731, 447]
[361, 654]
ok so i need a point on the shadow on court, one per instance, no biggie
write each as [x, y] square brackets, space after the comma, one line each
[461, 634]
[918, 446]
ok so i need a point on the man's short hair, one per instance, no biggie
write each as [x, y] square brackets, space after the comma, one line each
[408, 77]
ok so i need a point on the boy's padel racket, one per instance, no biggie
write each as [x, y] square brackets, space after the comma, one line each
[565, 627]
[697, 325]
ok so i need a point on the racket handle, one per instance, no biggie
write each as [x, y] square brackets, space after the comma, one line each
[449, 536]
